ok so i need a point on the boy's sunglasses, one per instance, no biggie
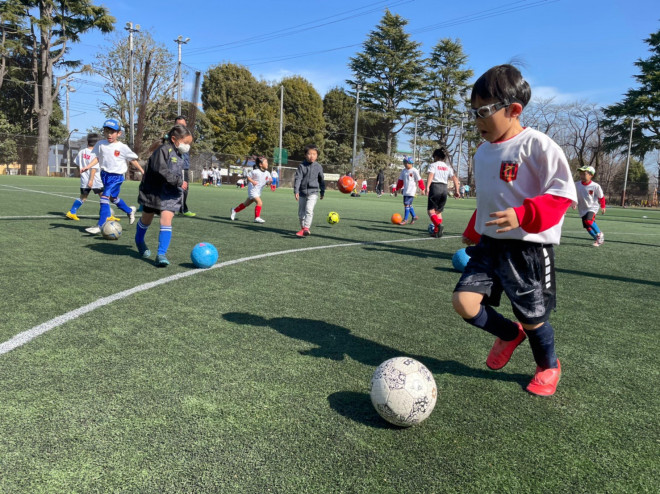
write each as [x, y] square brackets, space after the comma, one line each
[487, 110]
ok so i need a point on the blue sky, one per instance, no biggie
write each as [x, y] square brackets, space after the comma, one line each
[570, 49]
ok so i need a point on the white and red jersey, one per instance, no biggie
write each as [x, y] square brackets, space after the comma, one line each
[589, 197]
[409, 179]
[113, 157]
[84, 158]
[514, 174]
[441, 171]
[262, 177]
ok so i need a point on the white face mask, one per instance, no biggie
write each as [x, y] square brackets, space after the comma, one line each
[183, 148]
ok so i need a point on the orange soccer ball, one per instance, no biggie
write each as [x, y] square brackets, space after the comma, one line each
[346, 184]
[396, 218]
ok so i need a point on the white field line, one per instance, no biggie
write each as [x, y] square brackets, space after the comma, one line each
[27, 336]
[38, 192]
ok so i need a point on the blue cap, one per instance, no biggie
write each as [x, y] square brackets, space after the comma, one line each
[408, 160]
[111, 123]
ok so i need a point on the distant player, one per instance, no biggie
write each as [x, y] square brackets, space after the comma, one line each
[90, 179]
[409, 180]
[525, 187]
[257, 178]
[112, 156]
[436, 185]
[590, 197]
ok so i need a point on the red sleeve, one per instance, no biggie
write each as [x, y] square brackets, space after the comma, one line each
[421, 184]
[399, 184]
[470, 233]
[602, 202]
[542, 212]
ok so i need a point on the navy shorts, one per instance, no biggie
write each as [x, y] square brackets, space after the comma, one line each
[524, 271]
[588, 218]
[437, 196]
[408, 200]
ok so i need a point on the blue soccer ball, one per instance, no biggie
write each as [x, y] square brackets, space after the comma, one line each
[431, 229]
[204, 255]
[460, 260]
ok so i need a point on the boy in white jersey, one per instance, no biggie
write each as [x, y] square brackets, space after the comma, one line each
[436, 185]
[590, 197]
[90, 180]
[112, 156]
[525, 187]
[257, 178]
[409, 180]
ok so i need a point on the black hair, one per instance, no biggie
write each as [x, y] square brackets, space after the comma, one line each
[178, 132]
[257, 161]
[440, 154]
[503, 83]
[180, 117]
[310, 147]
[93, 138]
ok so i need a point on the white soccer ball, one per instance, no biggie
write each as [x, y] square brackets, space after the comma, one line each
[403, 391]
[111, 230]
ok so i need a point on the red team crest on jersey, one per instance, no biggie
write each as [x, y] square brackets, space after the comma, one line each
[117, 153]
[591, 192]
[508, 171]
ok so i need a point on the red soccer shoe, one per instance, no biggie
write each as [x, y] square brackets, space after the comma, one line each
[502, 350]
[545, 381]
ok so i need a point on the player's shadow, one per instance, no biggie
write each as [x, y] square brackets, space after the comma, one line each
[357, 407]
[113, 248]
[336, 343]
[409, 251]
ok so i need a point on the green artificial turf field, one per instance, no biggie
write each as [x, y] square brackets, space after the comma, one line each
[253, 376]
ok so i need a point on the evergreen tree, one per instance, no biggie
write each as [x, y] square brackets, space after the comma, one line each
[642, 104]
[390, 71]
[339, 115]
[442, 101]
[303, 117]
[242, 113]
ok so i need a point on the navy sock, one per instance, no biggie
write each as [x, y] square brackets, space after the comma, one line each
[495, 323]
[542, 341]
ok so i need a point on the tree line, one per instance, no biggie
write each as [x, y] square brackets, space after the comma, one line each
[401, 92]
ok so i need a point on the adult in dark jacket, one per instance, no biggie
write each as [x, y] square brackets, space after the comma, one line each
[161, 190]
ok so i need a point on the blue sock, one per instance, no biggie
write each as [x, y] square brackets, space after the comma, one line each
[542, 341]
[104, 211]
[591, 232]
[406, 213]
[164, 238]
[122, 205]
[495, 323]
[412, 211]
[595, 227]
[76, 205]
[140, 232]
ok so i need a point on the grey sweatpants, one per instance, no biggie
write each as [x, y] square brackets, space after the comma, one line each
[306, 206]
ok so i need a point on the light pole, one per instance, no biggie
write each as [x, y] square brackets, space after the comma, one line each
[179, 41]
[68, 147]
[131, 102]
[355, 129]
[69, 89]
[625, 178]
[460, 151]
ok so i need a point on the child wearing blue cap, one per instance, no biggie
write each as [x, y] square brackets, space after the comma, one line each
[408, 182]
[112, 156]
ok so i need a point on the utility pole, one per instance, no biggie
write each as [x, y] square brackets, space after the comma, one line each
[279, 162]
[131, 101]
[460, 151]
[179, 41]
[355, 131]
[625, 178]
[69, 89]
[415, 143]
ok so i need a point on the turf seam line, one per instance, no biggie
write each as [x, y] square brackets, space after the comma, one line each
[27, 336]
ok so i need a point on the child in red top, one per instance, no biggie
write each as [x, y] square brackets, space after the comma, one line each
[525, 187]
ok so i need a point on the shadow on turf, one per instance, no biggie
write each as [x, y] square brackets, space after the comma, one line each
[335, 343]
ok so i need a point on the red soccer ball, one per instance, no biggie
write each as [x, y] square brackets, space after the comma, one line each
[346, 184]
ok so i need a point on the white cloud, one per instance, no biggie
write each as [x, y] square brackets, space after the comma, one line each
[322, 82]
